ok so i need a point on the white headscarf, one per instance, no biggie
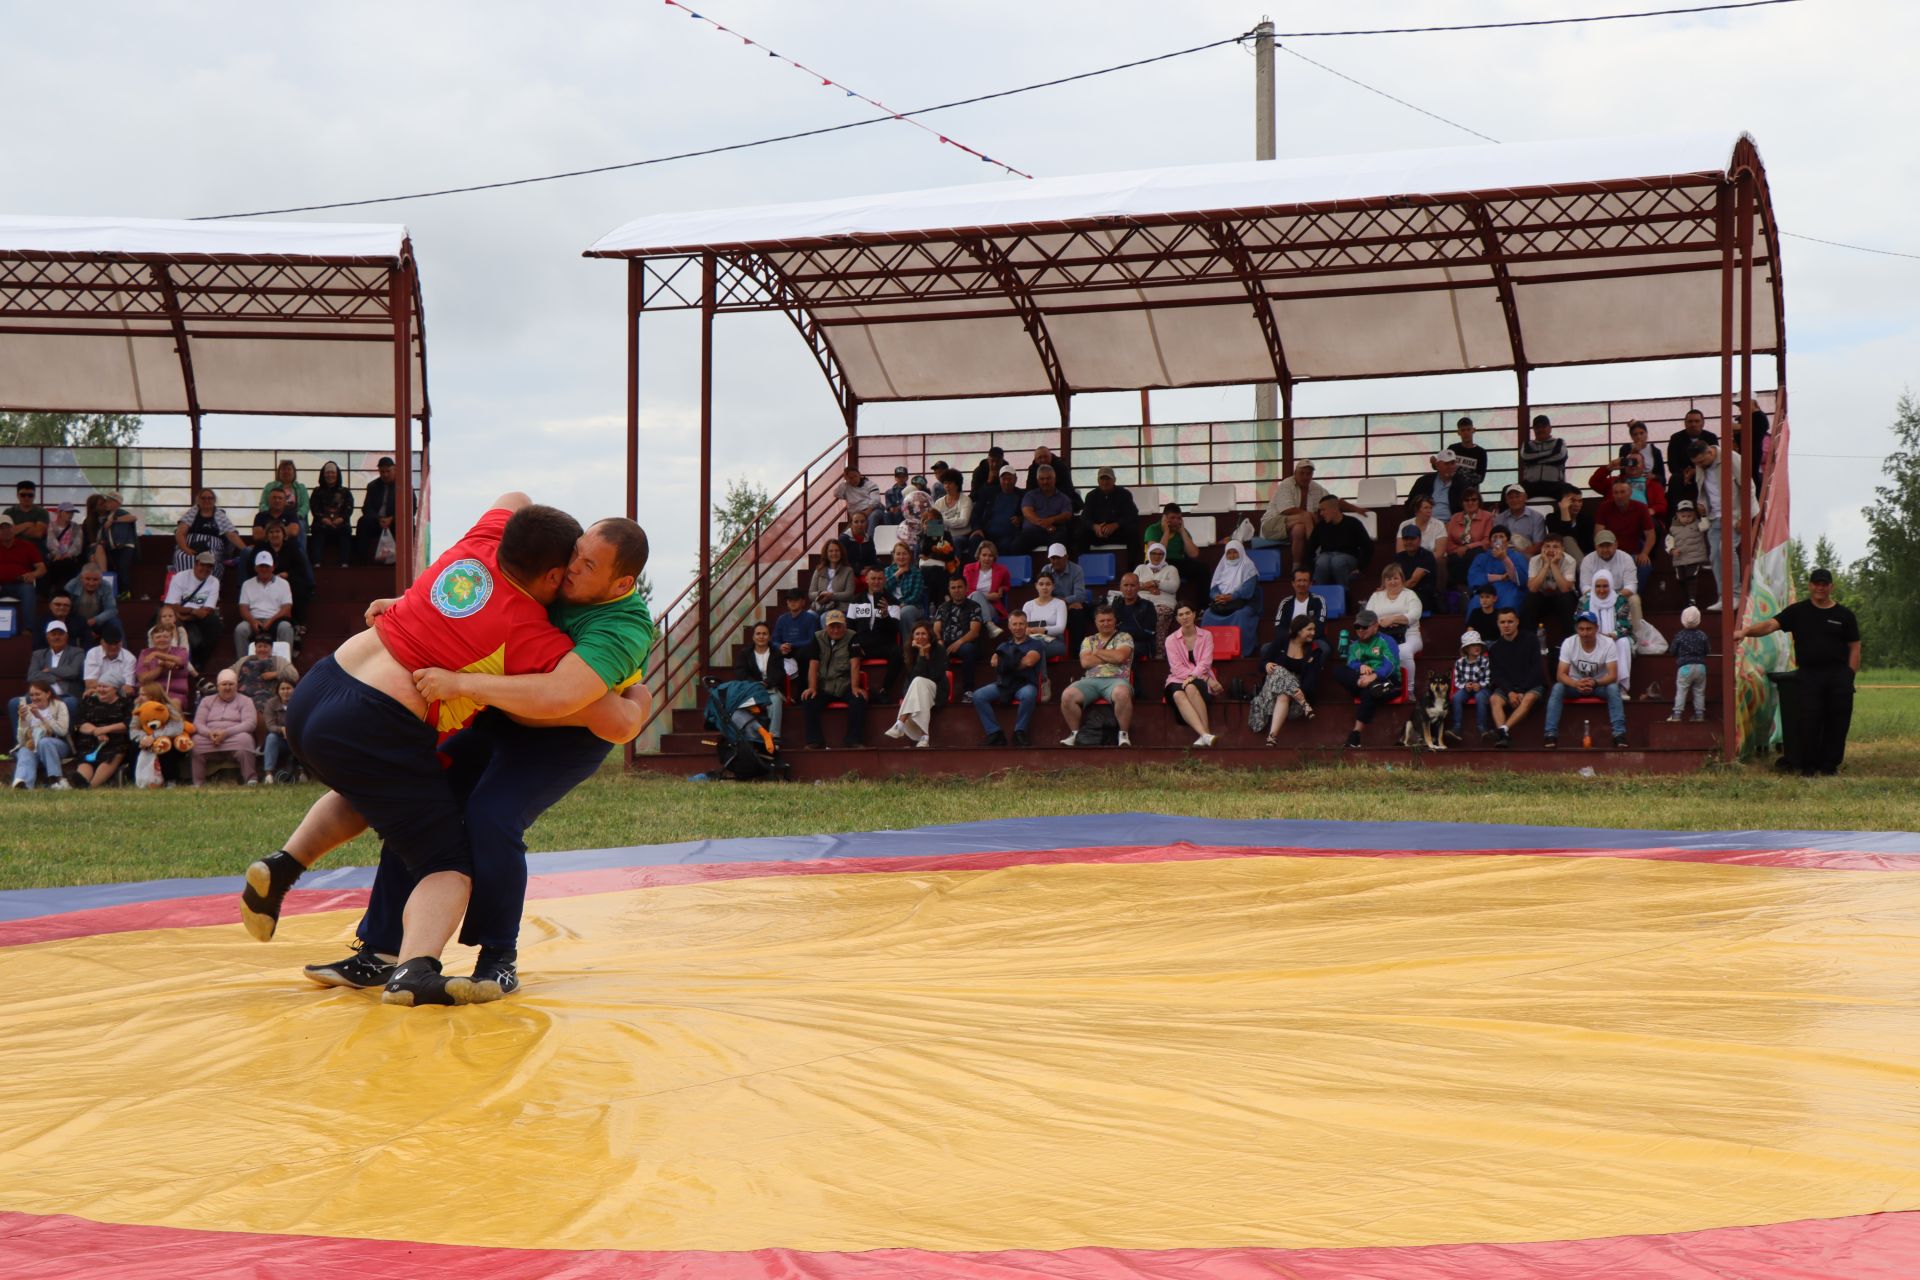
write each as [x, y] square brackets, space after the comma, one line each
[1152, 547]
[1234, 571]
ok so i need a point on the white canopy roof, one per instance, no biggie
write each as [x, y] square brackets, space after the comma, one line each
[1519, 255]
[131, 315]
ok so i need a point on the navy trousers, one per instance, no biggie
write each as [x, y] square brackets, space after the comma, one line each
[506, 775]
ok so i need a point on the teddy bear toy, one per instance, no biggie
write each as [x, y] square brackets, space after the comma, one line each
[152, 717]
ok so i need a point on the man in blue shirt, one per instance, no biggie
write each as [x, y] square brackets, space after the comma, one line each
[1047, 513]
[1016, 667]
[1002, 521]
[793, 631]
[1502, 567]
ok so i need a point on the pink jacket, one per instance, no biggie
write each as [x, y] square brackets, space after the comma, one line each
[999, 580]
[237, 719]
[1182, 665]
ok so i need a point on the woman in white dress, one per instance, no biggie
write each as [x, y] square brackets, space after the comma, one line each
[1399, 610]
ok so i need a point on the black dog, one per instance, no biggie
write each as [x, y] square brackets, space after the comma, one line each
[1428, 723]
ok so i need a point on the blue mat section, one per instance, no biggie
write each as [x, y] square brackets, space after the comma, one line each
[1006, 834]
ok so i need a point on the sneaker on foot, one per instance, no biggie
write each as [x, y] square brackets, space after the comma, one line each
[1069, 740]
[896, 730]
[1619, 740]
[1126, 739]
[362, 969]
[1713, 608]
[1504, 739]
[59, 784]
[1674, 718]
[267, 883]
[415, 982]
[1020, 738]
[1551, 741]
[999, 739]
[1488, 737]
[1353, 740]
[493, 976]
[925, 742]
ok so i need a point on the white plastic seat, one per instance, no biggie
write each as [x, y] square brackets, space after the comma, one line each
[1216, 499]
[883, 539]
[1377, 491]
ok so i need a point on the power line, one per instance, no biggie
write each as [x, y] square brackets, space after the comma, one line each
[1532, 22]
[1860, 248]
[1389, 97]
[734, 146]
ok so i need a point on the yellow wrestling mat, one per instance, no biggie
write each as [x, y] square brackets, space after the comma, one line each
[1274, 1051]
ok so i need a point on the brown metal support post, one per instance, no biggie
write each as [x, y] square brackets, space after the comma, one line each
[635, 284]
[400, 309]
[709, 274]
[1747, 459]
[1526, 412]
[1729, 718]
[194, 456]
[1286, 428]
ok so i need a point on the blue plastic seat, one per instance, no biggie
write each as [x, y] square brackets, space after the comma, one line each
[1099, 566]
[1266, 561]
[1019, 570]
[1336, 598]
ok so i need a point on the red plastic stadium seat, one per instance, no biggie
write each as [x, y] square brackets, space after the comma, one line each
[1226, 642]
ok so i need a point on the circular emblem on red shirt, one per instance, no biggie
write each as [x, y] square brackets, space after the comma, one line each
[462, 589]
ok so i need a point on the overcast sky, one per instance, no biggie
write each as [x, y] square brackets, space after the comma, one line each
[179, 109]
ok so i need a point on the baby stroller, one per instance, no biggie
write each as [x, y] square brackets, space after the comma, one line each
[737, 710]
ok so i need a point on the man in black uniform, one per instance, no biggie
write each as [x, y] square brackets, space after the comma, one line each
[1826, 645]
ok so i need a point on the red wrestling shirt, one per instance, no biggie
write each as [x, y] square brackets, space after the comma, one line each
[466, 615]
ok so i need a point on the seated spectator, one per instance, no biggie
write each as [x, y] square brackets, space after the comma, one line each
[110, 661]
[279, 764]
[1553, 588]
[926, 660]
[1513, 660]
[1047, 623]
[1339, 545]
[1484, 613]
[1687, 547]
[1608, 557]
[793, 632]
[1690, 666]
[1419, 568]
[1107, 658]
[862, 496]
[1046, 514]
[40, 738]
[259, 672]
[330, 510]
[1611, 619]
[266, 605]
[960, 627]
[152, 769]
[999, 514]
[1233, 595]
[1543, 460]
[1191, 684]
[1473, 682]
[21, 568]
[290, 552]
[1473, 458]
[1110, 516]
[167, 618]
[93, 599]
[205, 530]
[1572, 521]
[1046, 456]
[1289, 516]
[875, 630]
[1693, 431]
[986, 475]
[167, 663]
[1396, 611]
[30, 519]
[1159, 586]
[989, 585]
[857, 542]
[955, 512]
[228, 724]
[834, 675]
[100, 733]
[760, 663]
[286, 480]
[1070, 587]
[1631, 524]
[60, 663]
[906, 589]
[1433, 530]
[1293, 662]
[892, 499]
[60, 610]
[1302, 602]
[1469, 531]
[196, 594]
[297, 573]
[1504, 567]
[1182, 552]
[1588, 668]
[1655, 460]
[112, 537]
[65, 544]
[376, 512]
[1641, 487]
[1370, 671]
[1137, 616]
[1445, 486]
[1017, 666]
[832, 584]
[1525, 527]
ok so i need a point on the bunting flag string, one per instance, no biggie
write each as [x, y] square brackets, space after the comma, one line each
[829, 83]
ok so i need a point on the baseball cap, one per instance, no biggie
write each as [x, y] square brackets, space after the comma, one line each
[1446, 455]
[206, 557]
[1057, 549]
[67, 507]
[1104, 473]
[1686, 504]
[26, 484]
[1470, 637]
[1821, 575]
[56, 625]
[263, 557]
[1604, 535]
[1409, 530]
[6, 520]
[1585, 616]
[833, 616]
[899, 471]
[1366, 618]
[1514, 488]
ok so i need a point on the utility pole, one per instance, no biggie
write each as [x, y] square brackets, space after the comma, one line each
[1266, 404]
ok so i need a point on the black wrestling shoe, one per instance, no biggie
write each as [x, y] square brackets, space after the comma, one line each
[267, 883]
[415, 982]
[362, 969]
[493, 976]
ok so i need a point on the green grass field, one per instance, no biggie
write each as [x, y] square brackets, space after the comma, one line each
[62, 838]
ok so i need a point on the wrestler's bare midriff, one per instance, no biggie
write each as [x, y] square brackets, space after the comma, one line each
[367, 660]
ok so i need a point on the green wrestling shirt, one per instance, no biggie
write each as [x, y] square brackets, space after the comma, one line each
[613, 637]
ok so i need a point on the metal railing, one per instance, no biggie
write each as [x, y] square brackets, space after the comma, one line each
[792, 525]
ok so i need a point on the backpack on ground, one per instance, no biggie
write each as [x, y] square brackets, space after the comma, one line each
[1100, 728]
[747, 748]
